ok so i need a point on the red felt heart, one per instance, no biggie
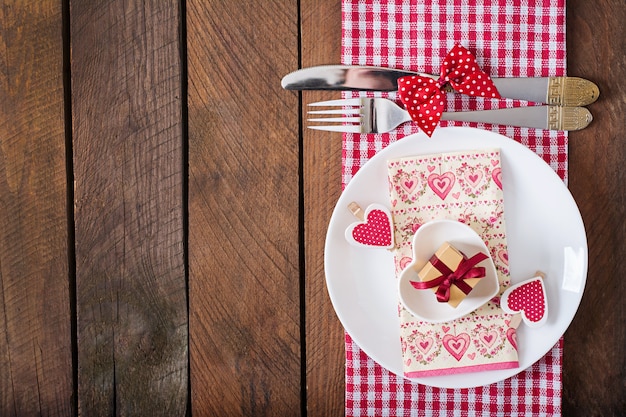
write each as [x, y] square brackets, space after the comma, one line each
[529, 299]
[375, 231]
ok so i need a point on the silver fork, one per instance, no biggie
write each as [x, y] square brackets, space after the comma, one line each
[380, 115]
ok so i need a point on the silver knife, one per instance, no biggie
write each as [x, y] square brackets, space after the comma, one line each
[557, 91]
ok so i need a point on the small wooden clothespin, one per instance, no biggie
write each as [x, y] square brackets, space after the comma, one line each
[356, 210]
[515, 321]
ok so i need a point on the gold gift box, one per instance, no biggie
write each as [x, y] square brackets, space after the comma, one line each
[451, 257]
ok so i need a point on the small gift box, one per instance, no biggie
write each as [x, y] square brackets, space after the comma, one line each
[450, 274]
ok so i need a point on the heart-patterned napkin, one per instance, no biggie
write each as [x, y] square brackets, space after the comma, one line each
[510, 38]
[466, 187]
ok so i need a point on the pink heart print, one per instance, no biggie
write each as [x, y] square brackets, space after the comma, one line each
[529, 299]
[376, 230]
[441, 184]
[503, 254]
[456, 345]
[488, 338]
[410, 184]
[473, 178]
[496, 174]
[511, 335]
[425, 344]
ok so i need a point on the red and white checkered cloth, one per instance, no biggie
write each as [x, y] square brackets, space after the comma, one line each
[371, 390]
[510, 38]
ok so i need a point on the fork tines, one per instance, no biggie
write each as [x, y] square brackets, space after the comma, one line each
[350, 123]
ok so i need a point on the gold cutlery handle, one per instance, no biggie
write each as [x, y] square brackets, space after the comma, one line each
[568, 118]
[571, 91]
[538, 117]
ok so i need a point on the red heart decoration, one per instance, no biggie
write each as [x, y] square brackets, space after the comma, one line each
[375, 231]
[529, 299]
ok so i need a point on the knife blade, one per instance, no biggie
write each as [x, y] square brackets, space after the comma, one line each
[557, 91]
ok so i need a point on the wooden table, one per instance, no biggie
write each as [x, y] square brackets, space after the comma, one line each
[163, 210]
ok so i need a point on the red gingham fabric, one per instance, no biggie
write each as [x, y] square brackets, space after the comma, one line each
[371, 390]
[510, 38]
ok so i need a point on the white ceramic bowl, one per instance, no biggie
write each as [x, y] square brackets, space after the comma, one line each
[428, 238]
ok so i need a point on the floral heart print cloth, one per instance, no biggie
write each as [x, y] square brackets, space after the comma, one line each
[466, 187]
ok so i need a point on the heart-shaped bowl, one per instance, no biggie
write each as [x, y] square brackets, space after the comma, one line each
[429, 237]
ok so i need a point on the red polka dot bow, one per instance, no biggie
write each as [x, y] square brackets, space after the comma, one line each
[425, 97]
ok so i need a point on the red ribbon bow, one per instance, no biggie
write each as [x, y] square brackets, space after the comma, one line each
[449, 277]
[424, 97]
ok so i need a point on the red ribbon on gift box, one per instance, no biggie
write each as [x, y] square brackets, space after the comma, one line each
[465, 270]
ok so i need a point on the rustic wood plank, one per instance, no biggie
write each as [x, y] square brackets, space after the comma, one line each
[244, 272]
[594, 359]
[325, 350]
[35, 345]
[128, 172]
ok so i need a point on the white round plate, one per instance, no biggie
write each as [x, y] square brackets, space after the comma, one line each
[426, 241]
[544, 232]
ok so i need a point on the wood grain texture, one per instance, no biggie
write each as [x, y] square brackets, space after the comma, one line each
[594, 359]
[325, 350]
[128, 176]
[244, 195]
[35, 347]
[264, 339]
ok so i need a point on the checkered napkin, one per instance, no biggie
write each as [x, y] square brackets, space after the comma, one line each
[510, 38]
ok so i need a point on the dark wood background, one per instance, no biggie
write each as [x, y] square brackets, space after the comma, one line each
[163, 210]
